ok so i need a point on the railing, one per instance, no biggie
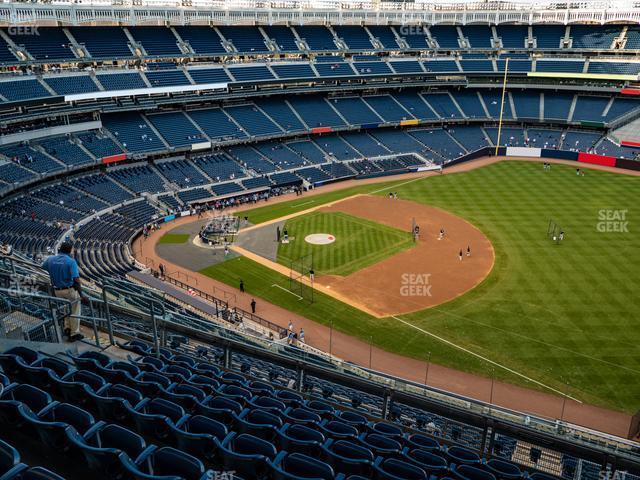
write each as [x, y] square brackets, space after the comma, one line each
[223, 304]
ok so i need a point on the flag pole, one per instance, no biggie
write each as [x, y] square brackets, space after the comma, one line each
[504, 91]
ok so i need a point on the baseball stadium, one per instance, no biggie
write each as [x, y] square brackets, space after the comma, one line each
[310, 239]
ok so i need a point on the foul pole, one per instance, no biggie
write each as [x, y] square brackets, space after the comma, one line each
[504, 91]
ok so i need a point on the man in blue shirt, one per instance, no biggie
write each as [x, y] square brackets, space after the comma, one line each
[65, 279]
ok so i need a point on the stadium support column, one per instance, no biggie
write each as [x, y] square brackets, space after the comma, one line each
[504, 89]
[300, 374]
[227, 355]
[386, 402]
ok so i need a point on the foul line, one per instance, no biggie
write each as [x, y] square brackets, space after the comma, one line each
[301, 204]
[288, 291]
[499, 365]
[396, 185]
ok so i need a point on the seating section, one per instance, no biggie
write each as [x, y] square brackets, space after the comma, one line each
[317, 37]
[202, 40]
[156, 41]
[108, 42]
[245, 39]
[45, 43]
[167, 78]
[252, 120]
[355, 38]
[132, 132]
[176, 129]
[66, 151]
[32, 159]
[139, 179]
[22, 90]
[283, 37]
[121, 81]
[67, 85]
[99, 144]
[176, 415]
[216, 124]
[182, 173]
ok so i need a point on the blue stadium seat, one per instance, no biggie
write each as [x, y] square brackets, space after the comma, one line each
[199, 436]
[163, 464]
[299, 438]
[338, 430]
[19, 403]
[461, 455]
[154, 418]
[185, 395]
[380, 445]
[247, 455]
[297, 466]
[220, 408]
[42, 372]
[423, 442]
[33, 473]
[301, 416]
[394, 469]
[53, 421]
[266, 403]
[429, 461]
[258, 423]
[14, 361]
[114, 402]
[503, 469]
[73, 386]
[348, 457]
[468, 472]
[9, 460]
[103, 445]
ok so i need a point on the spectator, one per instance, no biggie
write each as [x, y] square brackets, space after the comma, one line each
[65, 279]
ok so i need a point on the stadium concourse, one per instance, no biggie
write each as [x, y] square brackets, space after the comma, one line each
[119, 118]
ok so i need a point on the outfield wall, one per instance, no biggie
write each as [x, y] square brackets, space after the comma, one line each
[580, 157]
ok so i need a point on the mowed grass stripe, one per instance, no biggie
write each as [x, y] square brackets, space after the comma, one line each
[359, 242]
[566, 315]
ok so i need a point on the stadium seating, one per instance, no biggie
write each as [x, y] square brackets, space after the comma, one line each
[156, 41]
[133, 133]
[22, 90]
[203, 40]
[108, 42]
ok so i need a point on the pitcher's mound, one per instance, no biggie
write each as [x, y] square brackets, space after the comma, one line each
[320, 239]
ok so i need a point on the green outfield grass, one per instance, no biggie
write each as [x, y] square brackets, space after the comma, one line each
[174, 238]
[565, 315]
[359, 242]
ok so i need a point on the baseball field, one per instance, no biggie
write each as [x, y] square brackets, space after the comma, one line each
[562, 315]
[358, 242]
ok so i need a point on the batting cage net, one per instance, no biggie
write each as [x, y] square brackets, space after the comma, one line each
[301, 277]
[221, 230]
[554, 232]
